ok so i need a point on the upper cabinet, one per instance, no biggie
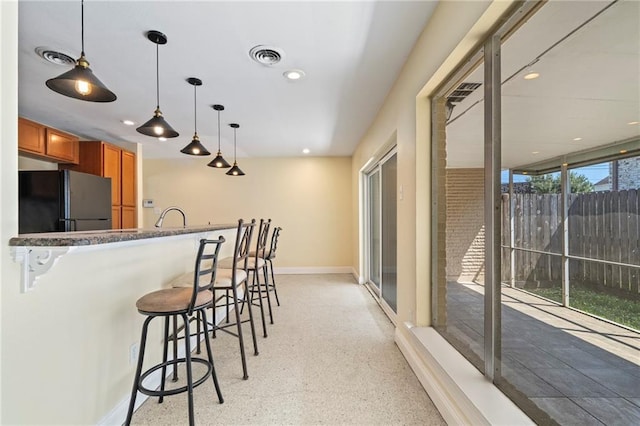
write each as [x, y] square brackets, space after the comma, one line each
[38, 141]
[103, 159]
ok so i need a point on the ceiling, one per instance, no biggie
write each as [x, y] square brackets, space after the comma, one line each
[351, 52]
[589, 86]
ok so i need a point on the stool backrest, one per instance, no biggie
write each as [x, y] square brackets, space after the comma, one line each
[274, 242]
[204, 275]
[243, 245]
[261, 243]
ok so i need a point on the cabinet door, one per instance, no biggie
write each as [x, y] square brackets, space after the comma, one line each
[111, 169]
[61, 146]
[128, 179]
[30, 136]
[128, 217]
[116, 219]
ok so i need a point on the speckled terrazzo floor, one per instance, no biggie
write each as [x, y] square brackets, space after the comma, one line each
[329, 359]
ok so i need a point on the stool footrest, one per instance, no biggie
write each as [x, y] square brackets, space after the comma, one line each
[175, 391]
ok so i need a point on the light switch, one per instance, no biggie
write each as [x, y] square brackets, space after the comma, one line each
[147, 203]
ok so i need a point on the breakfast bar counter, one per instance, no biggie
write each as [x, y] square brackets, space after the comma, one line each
[77, 302]
[86, 238]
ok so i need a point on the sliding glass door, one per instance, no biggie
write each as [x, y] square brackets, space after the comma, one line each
[381, 241]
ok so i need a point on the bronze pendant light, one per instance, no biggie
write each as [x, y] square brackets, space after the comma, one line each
[195, 147]
[235, 170]
[80, 82]
[157, 126]
[219, 162]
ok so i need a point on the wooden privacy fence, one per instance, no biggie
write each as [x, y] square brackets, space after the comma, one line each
[604, 228]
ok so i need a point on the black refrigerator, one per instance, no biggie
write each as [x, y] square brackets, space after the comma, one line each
[63, 200]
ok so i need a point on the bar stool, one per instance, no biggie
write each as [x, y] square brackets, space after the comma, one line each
[183, 302]
[257, 266]
[231, 285]
[269, 256]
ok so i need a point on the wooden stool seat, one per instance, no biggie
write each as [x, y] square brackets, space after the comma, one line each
[173, 300]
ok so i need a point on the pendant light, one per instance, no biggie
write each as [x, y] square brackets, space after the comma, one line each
[219, 162]
[80, 82]
[235, 170]
[195, 147]
[157, 126]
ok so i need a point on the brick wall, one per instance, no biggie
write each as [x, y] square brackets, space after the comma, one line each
[464, 224]
[629, 173]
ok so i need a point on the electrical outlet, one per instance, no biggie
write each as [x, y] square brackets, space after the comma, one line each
[133, 353]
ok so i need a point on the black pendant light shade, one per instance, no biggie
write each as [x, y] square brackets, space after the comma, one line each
[195, 147]
[219, 162]
[80, 82]
[157, 126]
[235, 170]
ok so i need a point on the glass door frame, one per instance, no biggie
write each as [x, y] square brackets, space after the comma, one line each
[374, 166]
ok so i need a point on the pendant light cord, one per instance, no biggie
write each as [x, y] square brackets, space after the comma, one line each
[219, 131]
[158, 75]
[195, 111]
[234, 145]
[82, 26]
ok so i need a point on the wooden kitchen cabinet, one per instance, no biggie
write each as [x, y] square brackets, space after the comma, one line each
[128, 175]
[45, 143]
[30, 136]
[103, 159]
[112, 168]
[128, 217]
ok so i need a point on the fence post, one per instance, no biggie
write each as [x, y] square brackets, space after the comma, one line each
[565, 189]
[512, 236]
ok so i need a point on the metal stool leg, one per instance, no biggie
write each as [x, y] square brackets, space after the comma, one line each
[266, 288]
[240, 337]
[134, 392]
[165, 355]
[256, 283]
[187, 346]
[175, 347]
[210, 355]
[273, 281]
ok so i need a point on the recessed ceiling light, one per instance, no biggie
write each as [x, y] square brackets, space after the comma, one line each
[294, 74]
[535, 152]
[128, 122]
[577, 139]
[306, 151]
[531, 76]
[631, 123]
[623, 151]
[162, 139]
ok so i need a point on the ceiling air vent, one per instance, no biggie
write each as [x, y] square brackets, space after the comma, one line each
[266, 55]
[462, 91]
[54, 57]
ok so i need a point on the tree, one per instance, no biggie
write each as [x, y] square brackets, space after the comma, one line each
[550, 183]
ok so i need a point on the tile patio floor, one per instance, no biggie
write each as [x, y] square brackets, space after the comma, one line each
[566, 367]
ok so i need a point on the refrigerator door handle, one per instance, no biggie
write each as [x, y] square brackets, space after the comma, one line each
[73, 223]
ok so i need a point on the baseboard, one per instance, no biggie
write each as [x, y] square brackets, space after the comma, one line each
[460, 392]
[296, 270]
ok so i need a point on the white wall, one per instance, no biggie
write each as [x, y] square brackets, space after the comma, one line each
[452, 32]
[309, 197]
[8, 166]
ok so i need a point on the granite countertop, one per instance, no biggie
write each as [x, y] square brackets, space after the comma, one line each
[88, 238]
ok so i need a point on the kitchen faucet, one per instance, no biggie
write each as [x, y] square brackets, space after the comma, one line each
[167, 210]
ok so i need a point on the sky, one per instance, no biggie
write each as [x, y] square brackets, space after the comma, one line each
[594, 173]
